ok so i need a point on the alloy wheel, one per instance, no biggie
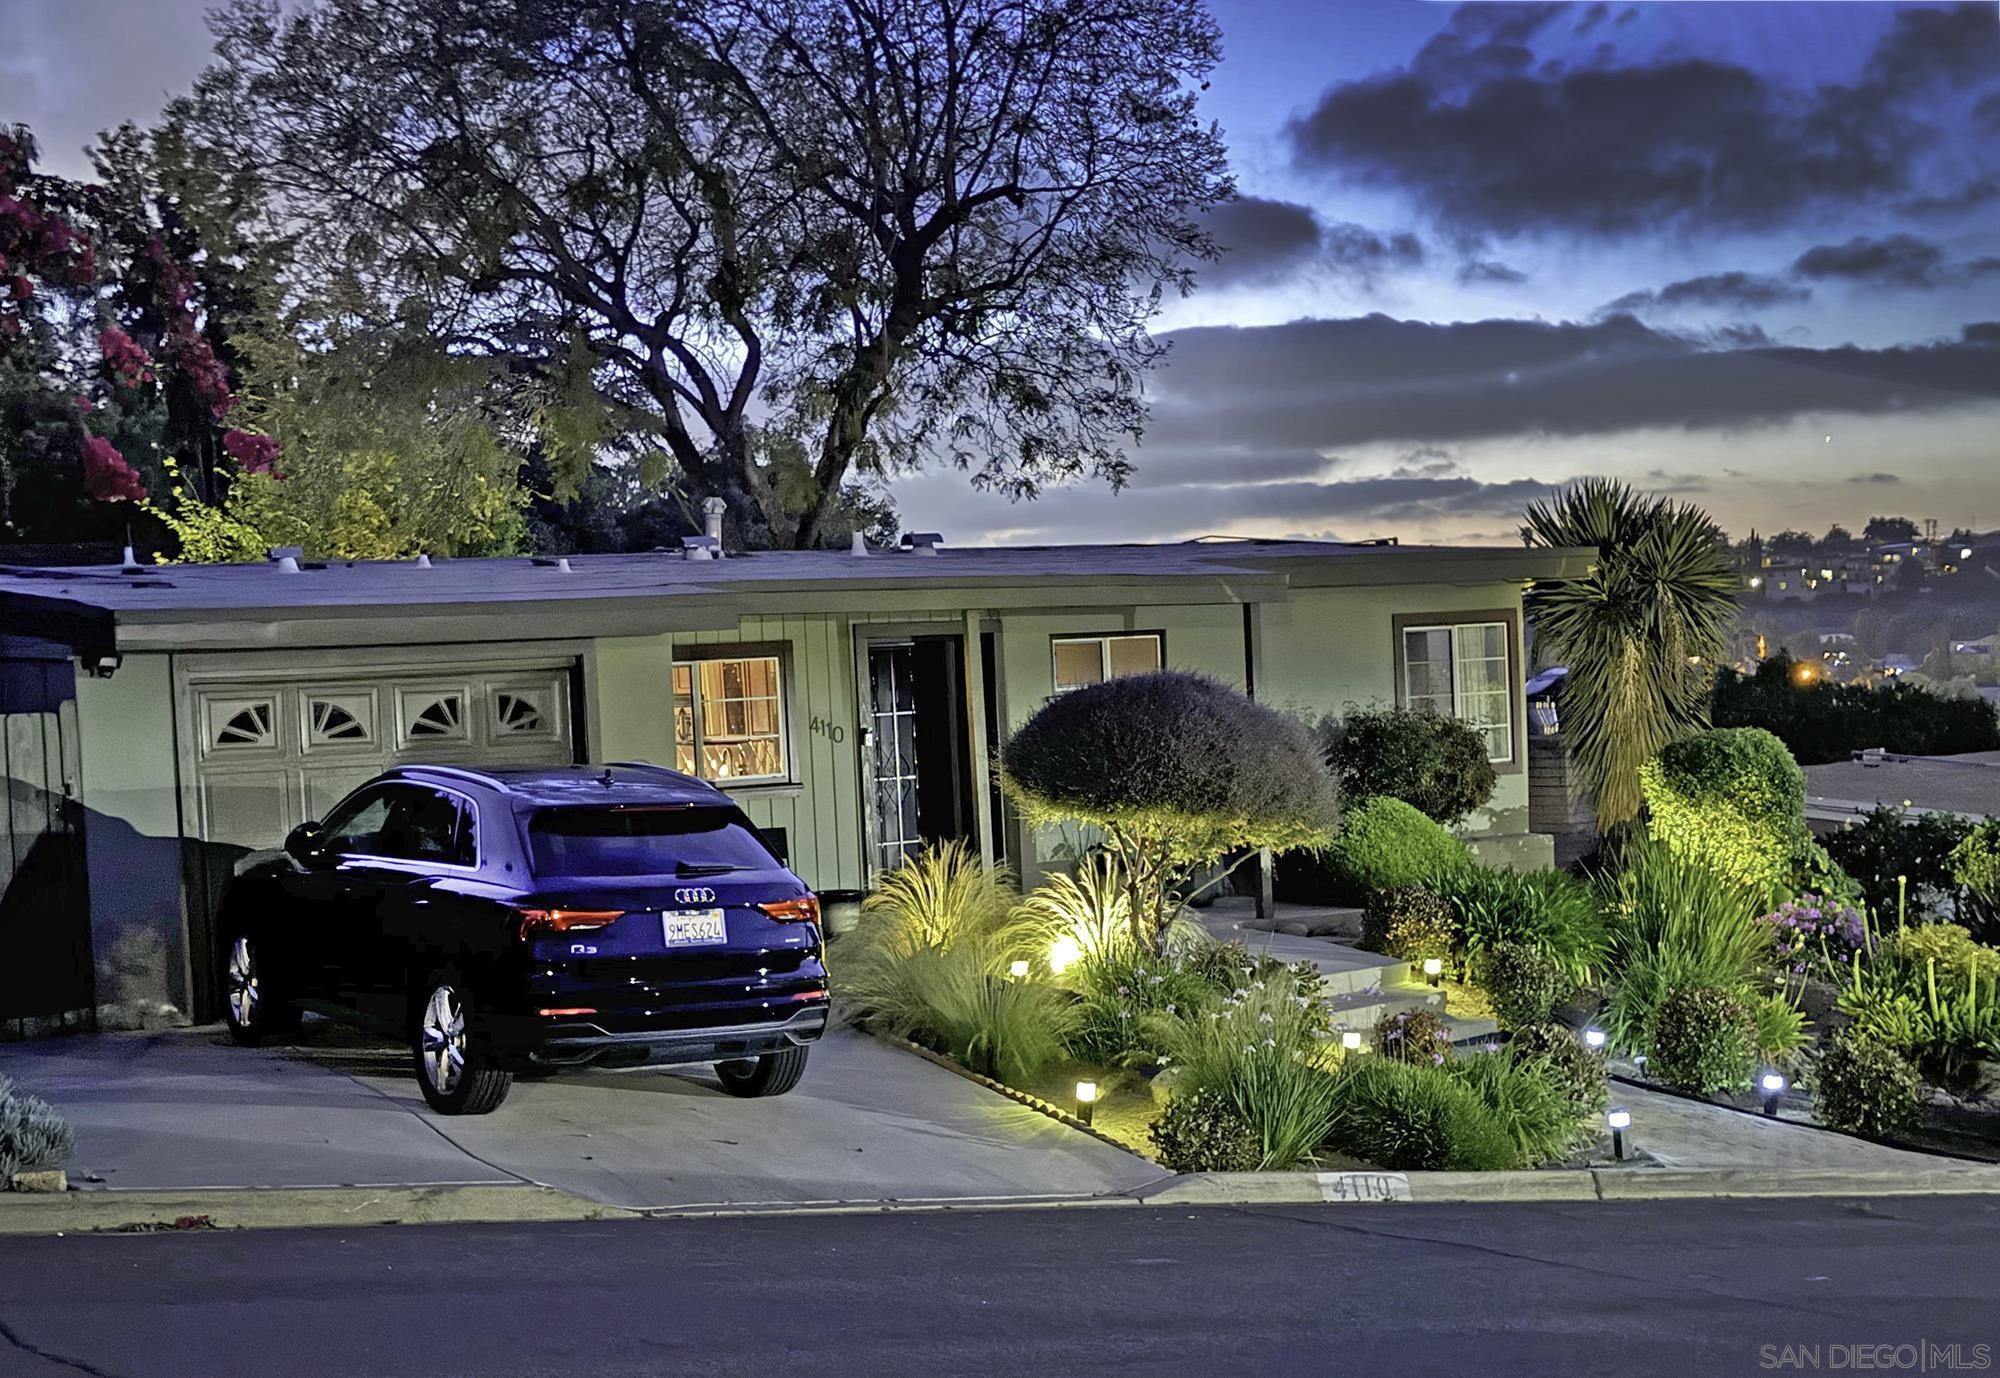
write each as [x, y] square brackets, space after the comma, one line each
[443, 1034]
[243, 987]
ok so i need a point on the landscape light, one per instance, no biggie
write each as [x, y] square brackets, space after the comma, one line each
[1064, 953]
[1433, 969]
[1620, 1121]
[1966, 553]
[1018, 968]
[1086, 1100]
[1773, 1085]
[1593, 1038]
[1351, 1041]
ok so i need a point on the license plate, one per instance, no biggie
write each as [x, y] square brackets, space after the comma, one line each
[693, 927]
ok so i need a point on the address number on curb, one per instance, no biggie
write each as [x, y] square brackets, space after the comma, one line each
[1364, 1186]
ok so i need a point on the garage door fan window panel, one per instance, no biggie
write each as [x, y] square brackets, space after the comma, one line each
[1082, 660]
[729, 719]
[437, 717]
[1460, 670]
[238, 725]
[338, 722]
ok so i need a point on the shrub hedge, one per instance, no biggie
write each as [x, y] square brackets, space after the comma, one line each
[1865, 1087]
[1702, 1039]
[1387, 843]
[1823, 722]
[1432, 761]
[1733, 796]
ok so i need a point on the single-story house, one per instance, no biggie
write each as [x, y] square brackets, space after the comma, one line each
[160, 721]
[1841, 792]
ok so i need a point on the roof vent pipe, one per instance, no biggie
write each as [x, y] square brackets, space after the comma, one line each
[562, 566]
[859, 545]
[922, 542]
[700, 547]
[130, 564]
[288, 564]
[711, 520]
[423, 560]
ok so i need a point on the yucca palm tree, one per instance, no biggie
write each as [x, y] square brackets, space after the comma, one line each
[1640, 633]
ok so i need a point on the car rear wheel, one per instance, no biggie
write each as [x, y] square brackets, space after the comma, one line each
[773, 1074]
[255, 1009]
[457, 1075]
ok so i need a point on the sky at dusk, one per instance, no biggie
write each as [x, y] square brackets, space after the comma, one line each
[1745, 253]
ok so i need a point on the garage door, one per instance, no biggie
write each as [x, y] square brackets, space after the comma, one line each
[272, 753]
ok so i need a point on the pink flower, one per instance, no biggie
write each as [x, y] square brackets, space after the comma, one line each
[106, 475]
[125, 357]
[254, 454]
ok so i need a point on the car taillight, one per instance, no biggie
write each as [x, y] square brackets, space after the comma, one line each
[535, 921]
[804, 909]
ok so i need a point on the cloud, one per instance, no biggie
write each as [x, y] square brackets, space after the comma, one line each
[1483, 138]
[1488, 270]
[1897, 260]
[1969, 196]
[1875, 478]
[1738, 291]
[1266, 241]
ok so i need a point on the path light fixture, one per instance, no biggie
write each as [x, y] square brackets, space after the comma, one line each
[1620, 1121]
[1086, 1100]
[1018, 969]
[1772, 1084]
[1593, 1039]
[1350, 1042]
[1064, 953]
[1433, 969]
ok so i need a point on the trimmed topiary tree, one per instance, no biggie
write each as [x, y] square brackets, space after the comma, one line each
[1177, 771]
[1733, 796]
[1435, 763]
[1386, 844]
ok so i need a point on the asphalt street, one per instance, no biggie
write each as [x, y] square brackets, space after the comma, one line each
[1679, 1288]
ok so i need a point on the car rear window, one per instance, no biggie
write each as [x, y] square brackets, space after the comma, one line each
[643, 841]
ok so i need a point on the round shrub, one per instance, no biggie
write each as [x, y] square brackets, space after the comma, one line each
[1865, 1087]
[1580, 1071]
[1431, 761]
[1702, 1039]
[1409, 922]
[1950, 946]
[1733, 795]
[1387, 843]
[1411, 1117]
[1975, 864]
[1202, 1132]
[1523, 982]
[1414, 1035]
[32, 1135]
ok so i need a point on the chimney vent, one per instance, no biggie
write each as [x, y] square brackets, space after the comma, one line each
[922, 542]
[711, 520]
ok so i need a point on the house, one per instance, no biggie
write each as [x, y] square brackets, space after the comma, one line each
[1841, 792]
[163, 721]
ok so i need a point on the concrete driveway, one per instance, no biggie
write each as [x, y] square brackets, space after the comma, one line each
[868, 1124]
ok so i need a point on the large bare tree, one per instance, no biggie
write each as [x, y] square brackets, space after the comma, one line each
[810, 239]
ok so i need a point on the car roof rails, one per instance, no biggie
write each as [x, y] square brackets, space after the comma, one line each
[654, 768]
[453, 773]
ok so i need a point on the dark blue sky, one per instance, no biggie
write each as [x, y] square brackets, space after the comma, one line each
[1739, 251]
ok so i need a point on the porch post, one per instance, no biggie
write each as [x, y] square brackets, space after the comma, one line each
[980, 742]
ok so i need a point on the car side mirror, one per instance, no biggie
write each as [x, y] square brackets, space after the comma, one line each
[303, 841]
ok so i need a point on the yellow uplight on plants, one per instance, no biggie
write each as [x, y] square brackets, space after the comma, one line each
[1018, 969]
[1065, 953]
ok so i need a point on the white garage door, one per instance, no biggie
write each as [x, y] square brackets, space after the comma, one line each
[271, 753]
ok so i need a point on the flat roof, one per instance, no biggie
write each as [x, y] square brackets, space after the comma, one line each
[1968, 783]
[106, 607]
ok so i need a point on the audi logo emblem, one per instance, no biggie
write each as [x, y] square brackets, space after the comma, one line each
[694, 894]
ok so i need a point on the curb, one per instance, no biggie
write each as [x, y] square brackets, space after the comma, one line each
[250, 1208]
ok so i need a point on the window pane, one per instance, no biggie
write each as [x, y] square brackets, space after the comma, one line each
[1134, 655]
[1079, 663]
[1427, 668]
[729, 719]
[642, 841]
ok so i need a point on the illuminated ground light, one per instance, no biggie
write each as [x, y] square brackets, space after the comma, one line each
[1086, 1100]
[1772, 1084]
[1619, 1121]
[1433, 969]
[1593, 1039]
[1065, 953]
[1018, 969]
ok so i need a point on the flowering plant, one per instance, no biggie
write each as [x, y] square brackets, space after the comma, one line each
[1812, 934]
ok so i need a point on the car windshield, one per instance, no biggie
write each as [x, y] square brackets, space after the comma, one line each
[645, 842]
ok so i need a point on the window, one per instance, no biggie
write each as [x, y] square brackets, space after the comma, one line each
[1462, 669]
[410, 823]
[729, 718]
[1081, 660]
[645, 842]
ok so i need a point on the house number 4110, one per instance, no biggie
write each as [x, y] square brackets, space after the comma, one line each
[832, 731]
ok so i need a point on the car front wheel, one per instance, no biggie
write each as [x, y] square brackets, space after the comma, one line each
[456, 1074]
[256, 1009]
[773, 1074]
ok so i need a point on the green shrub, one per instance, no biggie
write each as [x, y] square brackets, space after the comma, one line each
[1881, 847]
[1732, 796]
[1432, 761]
[1975, 866]
[955, 1001]
[1120, 991]
[1387, 844]
[1702, 1039]
[941, 896]
[1943, 1022]
[1408, 1117]
[33, 1137]
[1779, 1027]
[1549, 910]
[1261, 1048]
[1201, 1131]
[1578, 1070]
[1824, 722]
[1531, 1102]
[1865, 1087]
[1524, 983]
[1409, 922]
[1675, 921]
[1949, 945]
[1175, 771]
[1413, 1035]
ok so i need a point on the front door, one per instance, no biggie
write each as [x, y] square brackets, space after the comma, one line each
[920, 748]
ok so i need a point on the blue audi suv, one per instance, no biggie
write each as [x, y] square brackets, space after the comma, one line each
[530, 920]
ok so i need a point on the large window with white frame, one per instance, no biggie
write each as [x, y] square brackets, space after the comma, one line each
[1463, 669]
[729, 716]
[1081, 660]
